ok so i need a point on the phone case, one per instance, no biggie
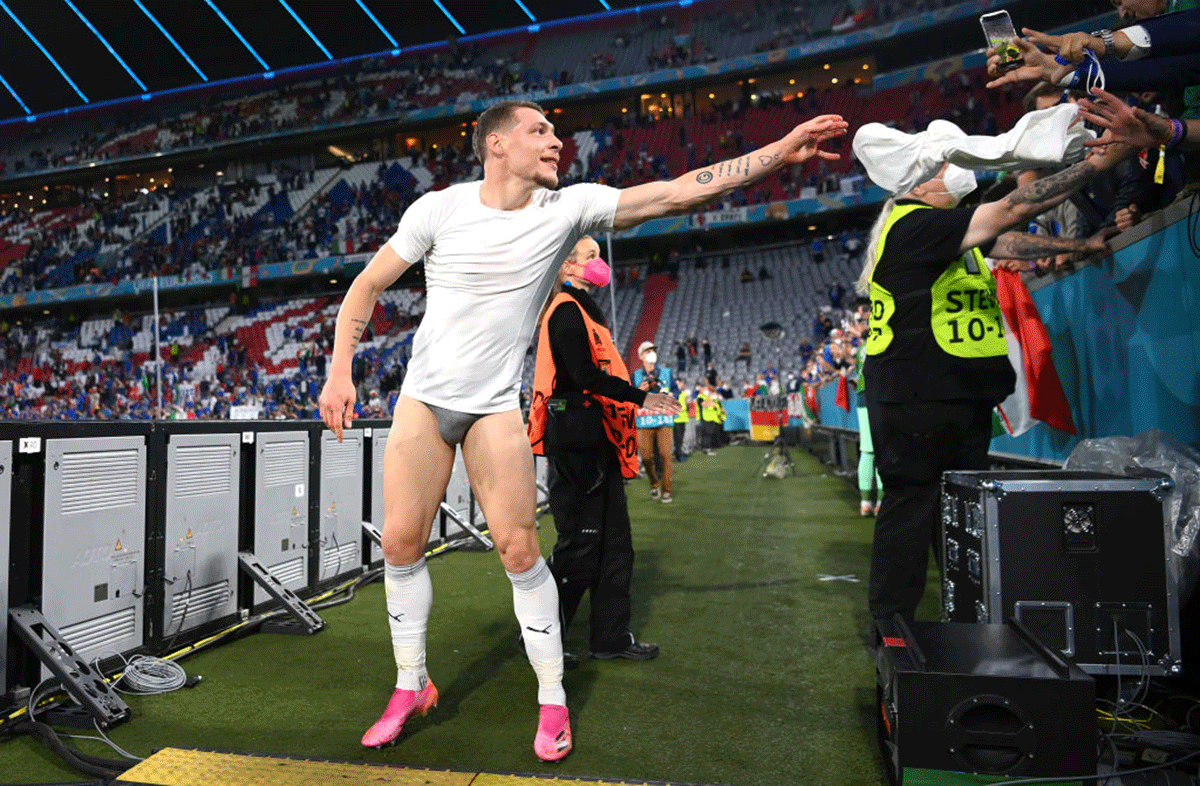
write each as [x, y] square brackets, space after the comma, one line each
[999, 31]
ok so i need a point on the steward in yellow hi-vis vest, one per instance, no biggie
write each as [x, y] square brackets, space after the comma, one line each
[936, 330]
[937, 363]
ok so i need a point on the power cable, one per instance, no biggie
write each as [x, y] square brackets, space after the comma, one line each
[1098, 777]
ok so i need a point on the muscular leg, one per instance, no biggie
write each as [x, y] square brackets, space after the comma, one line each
[416, 469]
[500, 466]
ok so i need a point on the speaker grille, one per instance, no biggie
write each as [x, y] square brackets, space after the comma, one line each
[990, 735]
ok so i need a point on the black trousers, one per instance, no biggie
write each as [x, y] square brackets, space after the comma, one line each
[594, 550]
[678, 435]
[915, 442]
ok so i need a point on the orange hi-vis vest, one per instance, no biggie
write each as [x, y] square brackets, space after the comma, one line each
[618, 415]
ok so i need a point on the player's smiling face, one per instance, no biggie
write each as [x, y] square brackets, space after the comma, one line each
[532, 149]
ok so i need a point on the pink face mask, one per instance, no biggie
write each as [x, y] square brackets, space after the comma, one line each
[596, 272]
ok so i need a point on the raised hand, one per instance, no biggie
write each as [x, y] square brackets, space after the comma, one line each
[1037, 65]
[803, 142]
[1122, 122]
[1069, 46]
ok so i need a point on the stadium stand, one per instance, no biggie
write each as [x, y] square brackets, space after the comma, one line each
[383, 86]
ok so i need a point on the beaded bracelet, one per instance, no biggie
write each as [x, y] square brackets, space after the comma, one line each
[1178, 132]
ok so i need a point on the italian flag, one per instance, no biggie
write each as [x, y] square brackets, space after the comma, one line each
[1039, 394]
[809, 403]
[842, 399]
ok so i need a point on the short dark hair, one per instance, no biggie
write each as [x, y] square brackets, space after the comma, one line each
[494, 118]
[1029, 102]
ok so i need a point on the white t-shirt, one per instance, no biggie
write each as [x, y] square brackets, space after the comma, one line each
[487, 275]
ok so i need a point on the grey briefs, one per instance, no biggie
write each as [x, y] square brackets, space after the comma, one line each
[453, 425]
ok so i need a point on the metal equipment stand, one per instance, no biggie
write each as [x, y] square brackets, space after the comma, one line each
[83, 683]
[303, 619]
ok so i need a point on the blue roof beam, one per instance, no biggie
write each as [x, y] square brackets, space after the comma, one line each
[171, 38]
[237, 33]
[306, 29]
[107, 45]
[528, 13]
[450, 16]
[38, 44]
[13, 93]
[382, 29]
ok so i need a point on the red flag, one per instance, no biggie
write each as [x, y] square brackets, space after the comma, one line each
[843, 393]
[1037, 379]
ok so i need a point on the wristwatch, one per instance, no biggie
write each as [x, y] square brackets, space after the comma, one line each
[1107, 37]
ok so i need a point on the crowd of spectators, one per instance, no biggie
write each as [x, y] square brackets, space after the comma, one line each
[389, 85]
[1153, 85]
[113, 381]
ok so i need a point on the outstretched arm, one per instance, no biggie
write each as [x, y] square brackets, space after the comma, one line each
[1132, 125]
[1022, 245]
[1037, 65]
[668, 197]
[992, 218]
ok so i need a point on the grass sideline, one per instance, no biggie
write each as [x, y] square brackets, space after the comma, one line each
[744, 581]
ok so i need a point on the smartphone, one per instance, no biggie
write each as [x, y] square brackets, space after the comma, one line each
[999, 31]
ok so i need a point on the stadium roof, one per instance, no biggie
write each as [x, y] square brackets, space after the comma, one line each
[64, 54]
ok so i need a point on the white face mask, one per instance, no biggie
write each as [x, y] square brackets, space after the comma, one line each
[958, 182]
[651, 357]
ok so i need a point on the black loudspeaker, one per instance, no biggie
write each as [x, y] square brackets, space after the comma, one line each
[983, 699]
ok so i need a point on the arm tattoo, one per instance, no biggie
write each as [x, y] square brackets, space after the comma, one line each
[1019, 245]
[359, 326]
[737, 167]
[1053, 186]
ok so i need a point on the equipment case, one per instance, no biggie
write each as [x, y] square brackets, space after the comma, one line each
[1082, 559]
[984, 699]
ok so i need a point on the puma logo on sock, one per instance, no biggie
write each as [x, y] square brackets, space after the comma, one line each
[535, 630]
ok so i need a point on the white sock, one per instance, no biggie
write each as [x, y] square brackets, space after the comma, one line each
[409, 598]
[535, 601]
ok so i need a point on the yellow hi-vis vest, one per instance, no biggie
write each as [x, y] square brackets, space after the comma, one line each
[964, 317]
[682, 417]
